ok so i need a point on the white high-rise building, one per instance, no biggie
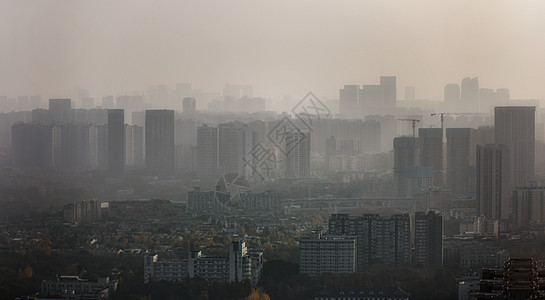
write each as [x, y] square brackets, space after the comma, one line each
[297, 145]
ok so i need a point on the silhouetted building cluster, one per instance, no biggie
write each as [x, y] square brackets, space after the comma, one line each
[356, 102]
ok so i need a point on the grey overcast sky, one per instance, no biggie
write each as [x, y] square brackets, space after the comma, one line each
[281, 46]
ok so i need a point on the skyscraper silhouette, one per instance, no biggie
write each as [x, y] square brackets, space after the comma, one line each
[160, 142]
[405, 156]
[431, 151]
[493, 190]
[116, 141]
[515, 127]
[458, 160]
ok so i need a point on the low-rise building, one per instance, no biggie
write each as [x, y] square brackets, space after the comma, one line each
[392, 293]
[75, 288]
[241, 264]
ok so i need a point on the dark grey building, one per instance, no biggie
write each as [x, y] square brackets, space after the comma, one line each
[493, 190]
[160, 142]
[458, 160]
[515, 127]
[405, 156]
[116, 141]
[428, 239]
[207, 151]
[431, 151]
[189, 105]
[379, 239]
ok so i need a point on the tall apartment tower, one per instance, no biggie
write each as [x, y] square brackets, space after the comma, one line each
[379, 239]
[134, 146]
[207, 151]
[116, 141]
[297, 154]
[493, 190]
[405, 156]
[451, 98]
[160, 141]
[235, 142]
[348, 100]
[469, 95]
[515, 127]
[458, 160]
[189, 105]
[389, 89]
[431, 151]
[428, 239]
[60, 110]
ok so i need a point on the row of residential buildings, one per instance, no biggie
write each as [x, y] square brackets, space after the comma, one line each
[356, 242]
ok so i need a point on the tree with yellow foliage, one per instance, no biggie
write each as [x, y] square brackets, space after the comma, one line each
[258, 295]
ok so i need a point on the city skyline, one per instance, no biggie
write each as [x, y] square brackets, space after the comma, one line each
[436, 44]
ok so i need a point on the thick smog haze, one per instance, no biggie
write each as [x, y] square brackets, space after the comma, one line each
[272, 150]
[281, 47]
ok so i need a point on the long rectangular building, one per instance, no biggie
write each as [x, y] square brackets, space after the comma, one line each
[327, 254]
[241, 264]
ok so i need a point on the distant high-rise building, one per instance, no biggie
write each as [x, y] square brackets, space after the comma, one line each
[235, 142]
[389, 86]
[98, 147]
[22, 103]
[40, 116]
[409, 93]
[469, 95]
[116, 141]
[160, 141]
[431, 151]
[134, 146]
[185, 132]
[371, 100]
[108, 102]
[452, 97]
[405, 156]
[388, 130]
[297, 145]
[515, 127]
[348, 101]
[379, 239]
[493, 190]
[189, 105]
[458, 160]
[60, 110]
[207, 151]
[428, 239]
[87, 102]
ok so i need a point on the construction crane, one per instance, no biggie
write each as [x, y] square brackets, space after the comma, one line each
[450, 114]
[414, 121]
[442, 117]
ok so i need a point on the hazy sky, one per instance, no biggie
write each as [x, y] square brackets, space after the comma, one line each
[282, 47]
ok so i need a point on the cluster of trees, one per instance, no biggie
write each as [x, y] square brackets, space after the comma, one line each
[193, 288]
[283, 281]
